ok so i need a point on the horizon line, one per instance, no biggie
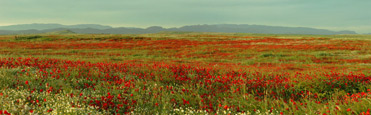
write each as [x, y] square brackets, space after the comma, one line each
[167, 27]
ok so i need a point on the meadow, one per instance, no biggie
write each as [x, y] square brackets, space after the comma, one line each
[185, 73]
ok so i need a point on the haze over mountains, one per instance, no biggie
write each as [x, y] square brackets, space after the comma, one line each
[101, 29]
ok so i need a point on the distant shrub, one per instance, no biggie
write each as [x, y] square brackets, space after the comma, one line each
[272, 55]
[28, 37]
[324, 54]
[33, 38]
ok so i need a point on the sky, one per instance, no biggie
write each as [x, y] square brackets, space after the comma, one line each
[324, 14]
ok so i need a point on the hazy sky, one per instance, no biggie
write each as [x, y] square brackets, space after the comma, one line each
[327, 14]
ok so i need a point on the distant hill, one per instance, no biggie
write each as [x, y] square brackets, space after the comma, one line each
[244, 28]
[100, 29]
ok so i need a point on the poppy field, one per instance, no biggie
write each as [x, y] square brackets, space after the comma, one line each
[185, 73]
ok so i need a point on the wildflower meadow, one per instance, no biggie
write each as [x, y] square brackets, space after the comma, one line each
[185, 73]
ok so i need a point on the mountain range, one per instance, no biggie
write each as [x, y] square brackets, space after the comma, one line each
[102, 29]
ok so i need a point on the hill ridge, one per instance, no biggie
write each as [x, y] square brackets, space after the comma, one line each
[226, 28]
